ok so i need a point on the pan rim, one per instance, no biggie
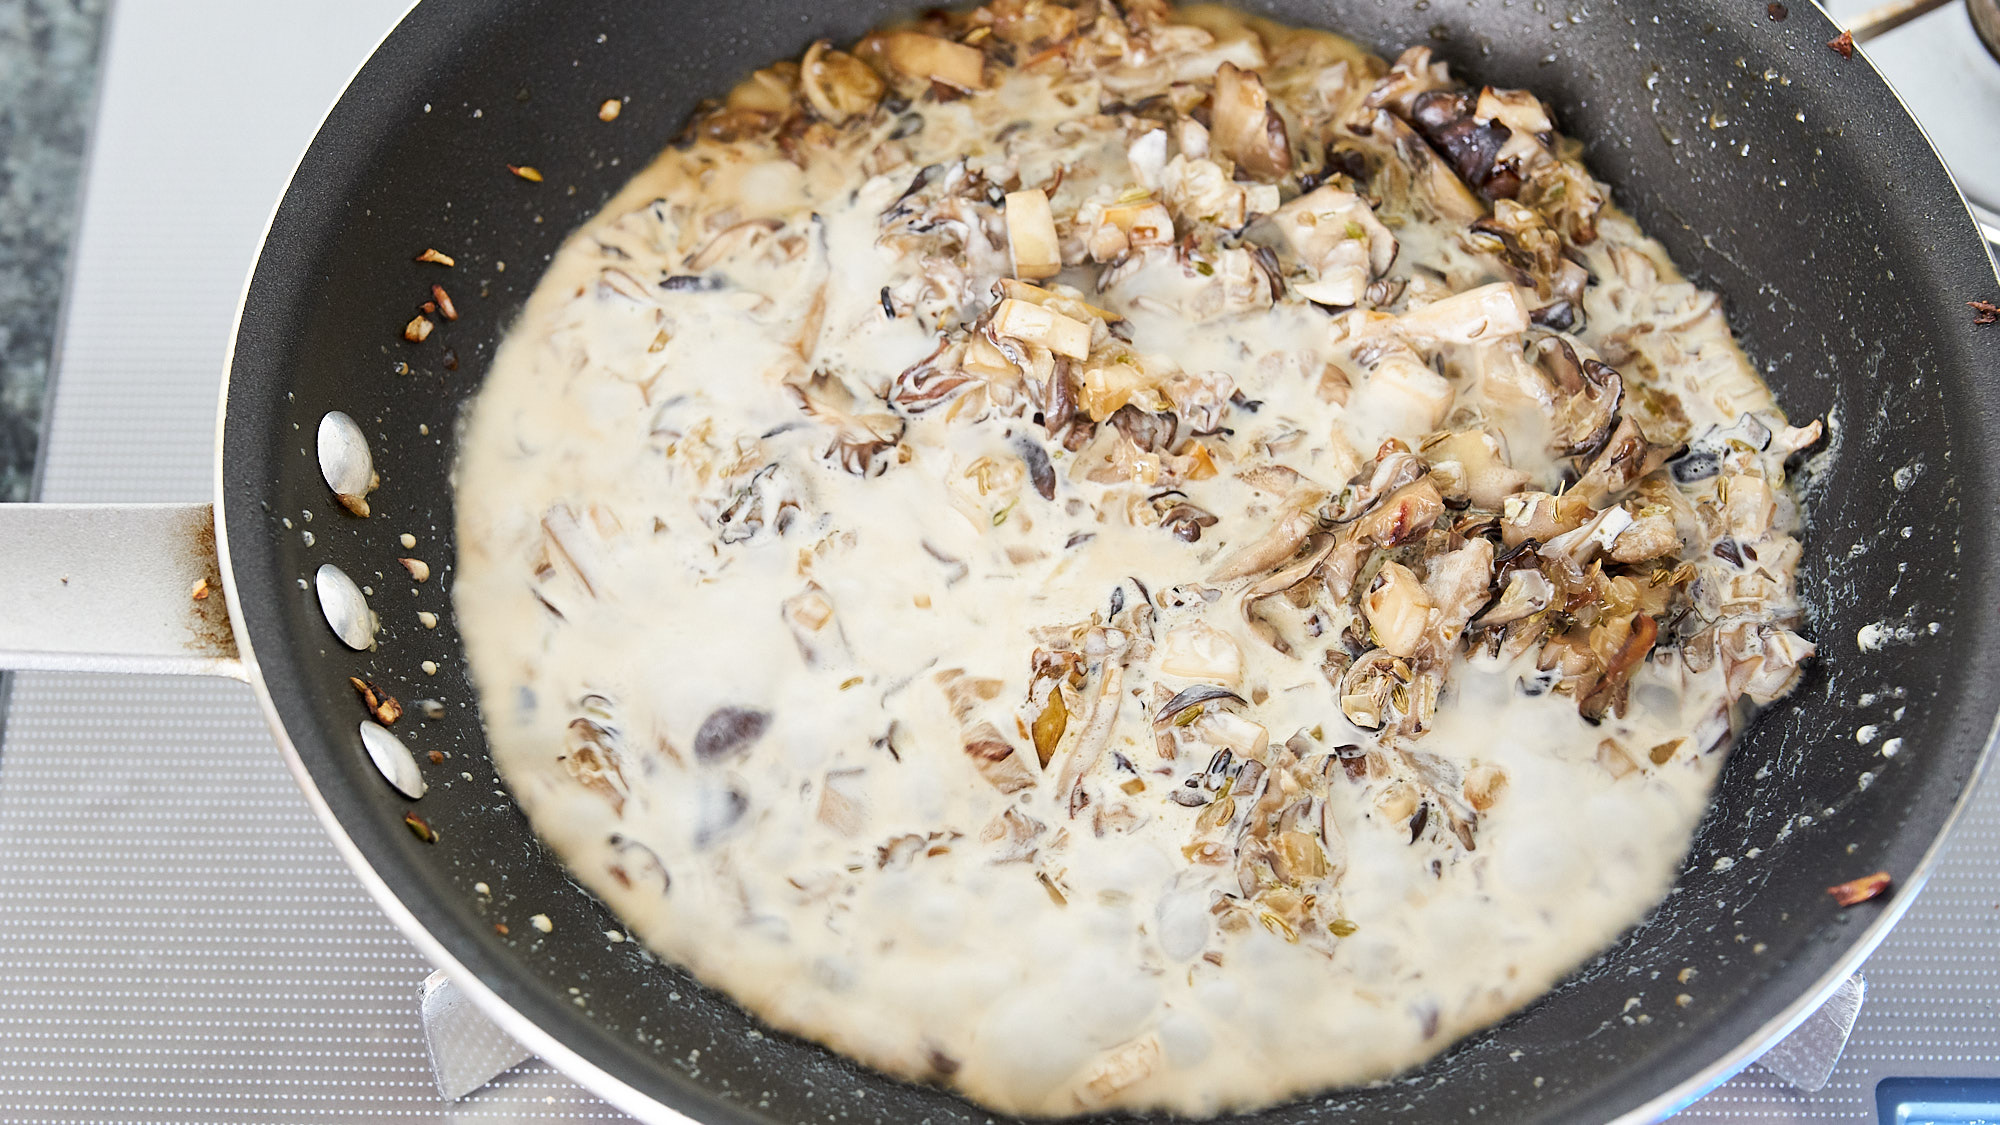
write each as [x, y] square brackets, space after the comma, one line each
[1774, 1030]
[511, 1020]
[629, 1098]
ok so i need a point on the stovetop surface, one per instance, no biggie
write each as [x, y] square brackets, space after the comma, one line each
[179, 942]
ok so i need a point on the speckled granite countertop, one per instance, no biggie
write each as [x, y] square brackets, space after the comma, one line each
[48, 75]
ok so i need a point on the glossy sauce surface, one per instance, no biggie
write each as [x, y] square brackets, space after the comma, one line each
[1291, 636]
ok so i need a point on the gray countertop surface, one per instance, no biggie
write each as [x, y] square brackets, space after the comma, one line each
[48, 79]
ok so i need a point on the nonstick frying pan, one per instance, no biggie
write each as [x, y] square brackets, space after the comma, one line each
[1776, 171]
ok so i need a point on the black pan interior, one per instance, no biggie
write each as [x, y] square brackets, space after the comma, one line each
[1784, 176]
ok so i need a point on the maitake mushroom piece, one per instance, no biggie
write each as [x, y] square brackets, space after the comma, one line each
[1244, 125]
[863, 430]
[838, 85]
[992, 755]
[1534, 252]
[931, 59]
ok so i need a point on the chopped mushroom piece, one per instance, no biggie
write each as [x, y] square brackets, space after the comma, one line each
[936, 60]
[1201, 653]
[1037, 324]
[1129, 502]
[1528, 592]
[1339, 240]
[1406, 393]
[1245, 127]
[1475, 316]
[1398, 610]
[1031, 235]
[838, 85]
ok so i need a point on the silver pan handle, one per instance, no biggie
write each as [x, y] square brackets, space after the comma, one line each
[113, 588]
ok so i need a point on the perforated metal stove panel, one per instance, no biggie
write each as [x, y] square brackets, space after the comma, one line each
[178, 942]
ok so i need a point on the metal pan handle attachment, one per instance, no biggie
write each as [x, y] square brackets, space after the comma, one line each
[113, 588]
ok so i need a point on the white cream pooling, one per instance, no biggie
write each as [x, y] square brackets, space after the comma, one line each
[845, 872]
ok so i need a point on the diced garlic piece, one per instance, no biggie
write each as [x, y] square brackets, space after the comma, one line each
[1398, 609]
[1106, 243]
[1148, 158]
[1145, 222]
[1192, 136]
[1244, 738]
[1034, 324]
[1117, 1070]
[1397, 802]
[1483, 786]
[1200, 652]
[936, 60]
[1474, 316]
[1031, 235]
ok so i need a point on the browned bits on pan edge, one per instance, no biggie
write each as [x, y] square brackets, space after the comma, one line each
[610, 110]
[443, 302]
[1984, 312]
[200, 591]
[1842, 44]
[1860, 890]
[380, 703]
[1776, 11]
[437, 257]
[527, 172]
[421, 828]
[418, 330]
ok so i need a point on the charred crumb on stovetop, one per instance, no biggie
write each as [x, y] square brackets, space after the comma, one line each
[379, 703]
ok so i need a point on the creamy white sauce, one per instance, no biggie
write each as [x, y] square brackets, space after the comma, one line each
[718, 668]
